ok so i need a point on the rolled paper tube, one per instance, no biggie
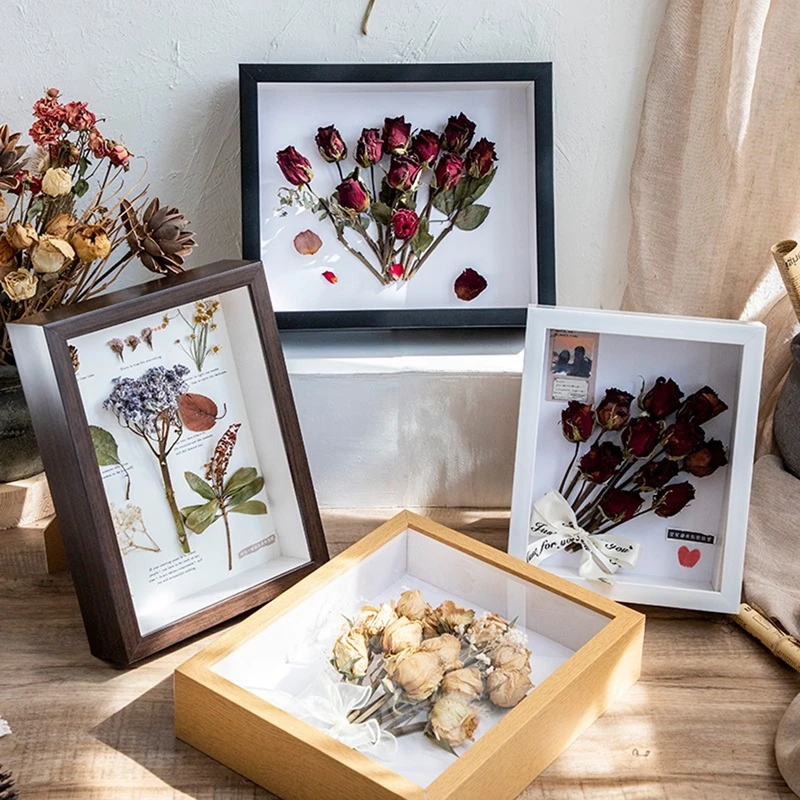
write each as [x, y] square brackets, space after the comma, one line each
[783, 645]
[787, 257]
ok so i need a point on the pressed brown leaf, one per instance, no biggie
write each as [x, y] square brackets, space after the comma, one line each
[307, 243]
[198, 412]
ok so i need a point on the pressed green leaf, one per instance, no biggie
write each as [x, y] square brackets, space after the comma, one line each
[422, 239]
[35, 209]
[197, 484]
[105, 446]
[186, 510]
[471, 217]
[479, 185]
[246, 492]
[381, 213]
[240, 478]
[202, 517]
[445, 202]
[80, 187]
[251, 507]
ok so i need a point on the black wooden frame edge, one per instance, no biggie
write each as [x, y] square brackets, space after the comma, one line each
[95, 560]
[541, 73]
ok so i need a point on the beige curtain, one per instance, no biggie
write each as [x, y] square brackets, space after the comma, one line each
[716, 176]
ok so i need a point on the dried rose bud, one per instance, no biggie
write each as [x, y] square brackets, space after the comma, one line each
[396, 271]
[701, 406]
[118, 154]
[620, 505]
[577, 421]
[417, 673]
[21, 236]
[353, 195]
[369, 149]
[672, 499]
[403, 173]
[425, 147]
[640, 437]
[614, 410]
[60, 225]
[373, 621]
[350, 656]
[91, 243]
[307, 243]
[296, 168]
[448, 171]
[486, 630]
[453, 615]
[466, 681]
[51, 254]
[481, 158]
[402, 634]
[19, 285]
[681, 438]
[458, 133]
[600, 462]
[446, 647]
[133, 342]
[97, 144]
[663, 398]
[453, 719]
[706, 459]
[507, 687]
[508, 656]
[330, 276]
[412, 604]
[655, 474]
[404, 223]
[56, 182]
[469, 284]
[25, 180]
[331, 145]
[396, 135]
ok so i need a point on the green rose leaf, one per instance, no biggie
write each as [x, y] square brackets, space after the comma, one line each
[251, 507]
[197, 484]
[80, 187]
[445, 201]
[35, 208]
[83, 165]
[246, 492]
[201, 517]
[381, 213]
[240, 478]
[471, 217]
[474, 188]
[422, 239]
[105, 446]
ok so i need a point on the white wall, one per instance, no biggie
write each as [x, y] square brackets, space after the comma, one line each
[164, 74]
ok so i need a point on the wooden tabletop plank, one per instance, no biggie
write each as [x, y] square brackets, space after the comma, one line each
[698, 726]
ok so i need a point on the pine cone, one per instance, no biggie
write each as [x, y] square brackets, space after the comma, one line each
[159, 237]
[7, 790]
[10, 158]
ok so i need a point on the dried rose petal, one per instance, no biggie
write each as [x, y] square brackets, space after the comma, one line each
[330, 277]
[396, 271]
[307, 243]
[469, 284]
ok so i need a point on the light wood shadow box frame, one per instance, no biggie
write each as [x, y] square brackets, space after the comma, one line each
[299, 762]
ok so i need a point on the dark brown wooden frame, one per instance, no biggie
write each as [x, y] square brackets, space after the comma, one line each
[52, 394]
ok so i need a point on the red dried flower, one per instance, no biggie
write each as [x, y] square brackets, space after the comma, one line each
[369, 149]
[672, 499]
[330, 276]
[448, 171]
[620, 505]
[640, 437]
[78, 117]
[681, 438]
[614, 410]
[405, 222]
[403, 173]
[577, 421]
[118, 154]
[296, 168]
[221, 457]
[481, 158]
[600, 462]
[353, 195]
[655, 474]
[663, 398]
[331, 145]
[396, 271]
[46, 132]
[706, 459]
[396, 135]
[26, 181]
[48, 107]
[97, 144]
[458, 133]
[425, 146]
[469, 284]
[701, 406]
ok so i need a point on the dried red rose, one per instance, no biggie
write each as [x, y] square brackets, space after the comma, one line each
[706, 459]
[620, 505]
[46, 132]
[481, 158]
[614, 410]
[701, 406]
[681, 438]
[405, 222]
[469, 284]
[296, 168]
[118, 154]
[663, 398]
[396, 271]
[353, 195]
[600, 462]
[655, 474]
[330, 276]
[330, 144]
[403, 173]
[369, 149]
[425, 146]
[97, 144]
[396, 135]
[577, 421]
[640, 437]
[448, 171]
[672, 499]
[458, 133]
[78, 117]
[26, 180]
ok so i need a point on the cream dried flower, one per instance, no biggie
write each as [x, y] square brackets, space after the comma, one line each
[51, 254]
[417, 673]
[486, 630]
[412, 604]
[400, 635]
[507, 687]
[373, 620]
[509, 656]
[446, 647]
[19, 285]
[350, 656]
[3, 209]
[466, 681]
[21, 236]
[453, 719]
[57, 181]
[91, 243]
[60, 224]
[7, 252]
[454, 616]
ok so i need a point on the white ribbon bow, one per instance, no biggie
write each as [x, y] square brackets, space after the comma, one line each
[555, 526]
[326, 704]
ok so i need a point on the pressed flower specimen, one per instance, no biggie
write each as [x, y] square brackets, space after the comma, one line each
[130, 529]
[223, 495]
[148, 408]
[201, 323]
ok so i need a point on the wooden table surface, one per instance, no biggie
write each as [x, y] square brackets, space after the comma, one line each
[699, 724]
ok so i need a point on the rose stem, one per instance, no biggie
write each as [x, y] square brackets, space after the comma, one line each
[571, 465]
[417, 727]
[365, 20]
[366, 713]
[170, 493]
[339, 167]
[623, 469]
[623, 521]
[430, 250]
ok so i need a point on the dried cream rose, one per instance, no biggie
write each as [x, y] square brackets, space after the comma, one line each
[350, 654]
[56, 181]
[19, 285]
[7, 252]
[21, 236]
[51, 254]
[417, 673]
[3, 209]
[91, 243]
[507, 656]
[447, 648]
[59, 225]
[487, 629]
[466, 681]
[373, 620]
[400, 635]
[453, 615]
[507, 687]
[412, 605]
[453, 719]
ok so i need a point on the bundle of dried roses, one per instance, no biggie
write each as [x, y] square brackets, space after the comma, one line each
[407, 233]
[431, 669]
[51, 251]
[611, 480]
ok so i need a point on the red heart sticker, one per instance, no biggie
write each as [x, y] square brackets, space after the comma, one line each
[687, 557]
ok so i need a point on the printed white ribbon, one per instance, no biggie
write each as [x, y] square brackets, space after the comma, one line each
[326, 704]
[555, 526]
